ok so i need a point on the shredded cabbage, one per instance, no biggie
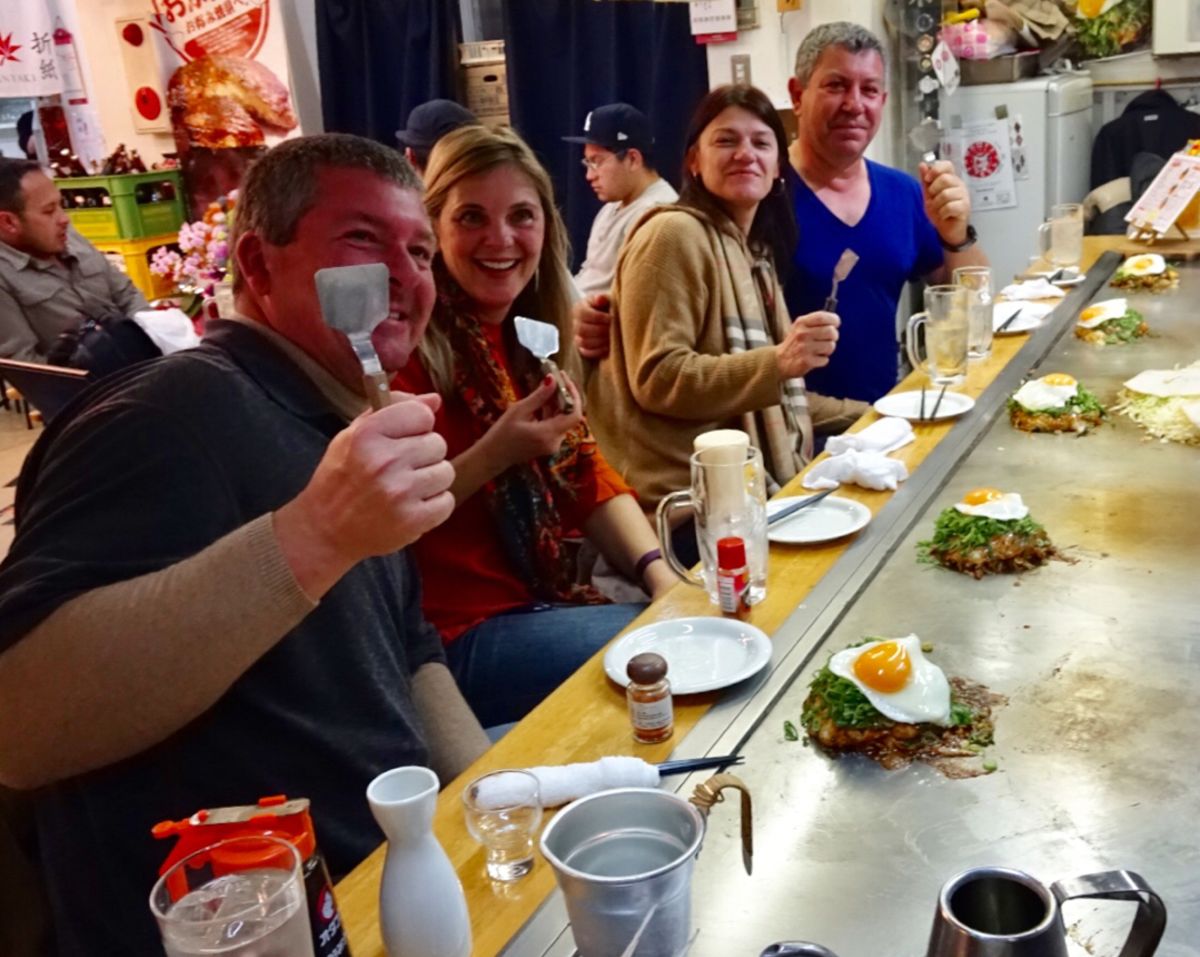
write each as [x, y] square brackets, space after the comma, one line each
[1164, 418]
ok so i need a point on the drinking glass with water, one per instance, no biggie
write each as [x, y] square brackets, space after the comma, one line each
[977, 280]
[240, 897]
[1060, 237]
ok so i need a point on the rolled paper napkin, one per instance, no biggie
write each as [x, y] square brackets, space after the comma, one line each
[886, 435]
[1040, 288]
[560, 784]
[169, 329]
[868, 469]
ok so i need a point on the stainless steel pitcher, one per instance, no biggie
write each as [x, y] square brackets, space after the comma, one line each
[624, 860]
[998, 912]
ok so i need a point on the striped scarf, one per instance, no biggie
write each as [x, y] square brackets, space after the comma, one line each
[756, 317]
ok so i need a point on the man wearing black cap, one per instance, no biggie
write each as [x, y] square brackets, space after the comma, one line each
[618, 153]
[427, 124]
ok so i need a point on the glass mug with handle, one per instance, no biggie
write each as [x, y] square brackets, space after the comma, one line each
[1060, 237]
[946, 335]
[728, 497]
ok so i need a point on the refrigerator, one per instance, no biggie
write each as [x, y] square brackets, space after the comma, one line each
[1046, 124]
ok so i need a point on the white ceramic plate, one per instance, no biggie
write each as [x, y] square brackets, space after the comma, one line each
[830, 518]
[1033, 314]
[907, 405]
[702, 654]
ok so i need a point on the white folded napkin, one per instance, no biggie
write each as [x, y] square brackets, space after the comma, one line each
[888, 434]
[1032, 289]
[560, 784]
[1031, 311]
[169, 329]
[868, 469]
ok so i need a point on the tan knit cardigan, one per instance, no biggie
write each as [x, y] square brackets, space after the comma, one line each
[668, 376]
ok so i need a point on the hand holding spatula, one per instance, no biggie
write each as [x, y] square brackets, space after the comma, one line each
[354, 300]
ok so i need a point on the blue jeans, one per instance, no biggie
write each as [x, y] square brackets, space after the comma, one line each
[507, 664]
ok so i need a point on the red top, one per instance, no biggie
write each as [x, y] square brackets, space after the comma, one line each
[466, 576]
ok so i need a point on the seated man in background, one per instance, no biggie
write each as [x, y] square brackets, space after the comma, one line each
[51, 278]
[427, 124]
[207, 599]
[901, 229]
[618, 153]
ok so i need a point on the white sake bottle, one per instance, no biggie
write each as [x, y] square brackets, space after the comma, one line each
[422, 908]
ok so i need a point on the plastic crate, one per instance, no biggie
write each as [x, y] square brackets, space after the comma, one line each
[127, 218]
[135, 254]
[481, 51]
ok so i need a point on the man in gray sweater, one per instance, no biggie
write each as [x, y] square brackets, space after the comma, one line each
[207, 600]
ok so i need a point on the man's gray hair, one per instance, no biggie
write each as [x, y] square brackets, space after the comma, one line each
[850, 36]
[282, 186]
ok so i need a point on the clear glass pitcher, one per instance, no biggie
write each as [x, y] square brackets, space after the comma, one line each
[728, 497]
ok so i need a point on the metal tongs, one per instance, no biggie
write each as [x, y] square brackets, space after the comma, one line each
[541, 339]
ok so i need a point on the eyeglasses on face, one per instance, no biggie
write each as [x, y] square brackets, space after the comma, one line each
[593, 163]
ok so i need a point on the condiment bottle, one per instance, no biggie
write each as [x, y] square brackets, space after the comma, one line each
[649, 696]
[733, 576]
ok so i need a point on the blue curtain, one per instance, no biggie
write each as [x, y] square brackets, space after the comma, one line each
[380, 58]
[567, 56]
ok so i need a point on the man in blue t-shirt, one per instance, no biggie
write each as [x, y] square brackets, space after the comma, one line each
[901, 228]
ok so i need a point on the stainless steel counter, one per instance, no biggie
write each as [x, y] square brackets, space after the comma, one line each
[1100, 660]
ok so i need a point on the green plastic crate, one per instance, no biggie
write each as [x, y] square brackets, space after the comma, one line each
[126, 218]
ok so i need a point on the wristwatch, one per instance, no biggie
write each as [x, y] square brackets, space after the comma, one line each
[972, 238]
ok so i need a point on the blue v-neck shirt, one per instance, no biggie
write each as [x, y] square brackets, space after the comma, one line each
[895, 242]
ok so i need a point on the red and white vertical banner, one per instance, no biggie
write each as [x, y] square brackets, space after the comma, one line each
[28, 62]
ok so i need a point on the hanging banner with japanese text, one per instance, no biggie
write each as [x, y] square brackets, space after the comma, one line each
[28, 61]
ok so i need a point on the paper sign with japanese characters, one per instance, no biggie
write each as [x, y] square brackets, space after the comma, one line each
[1173, 188]
[982, 153]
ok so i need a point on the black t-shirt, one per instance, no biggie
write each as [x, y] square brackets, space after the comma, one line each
[141, 472]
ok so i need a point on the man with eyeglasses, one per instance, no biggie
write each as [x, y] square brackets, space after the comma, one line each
[618, 154]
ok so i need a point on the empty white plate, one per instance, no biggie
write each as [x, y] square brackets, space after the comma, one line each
[830, 518]
[907, 405]
[702, 654]
[1031, 317]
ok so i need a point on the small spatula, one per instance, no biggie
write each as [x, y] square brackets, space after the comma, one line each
[541, 339]
[844, 264]
[354, 300]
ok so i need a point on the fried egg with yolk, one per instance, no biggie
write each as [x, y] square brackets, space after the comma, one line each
[1148, 264]
[1092, 316]
[992, 503]
[1051, 391]
[897, 678]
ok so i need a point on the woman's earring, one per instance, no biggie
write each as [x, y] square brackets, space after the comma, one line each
[779, 186]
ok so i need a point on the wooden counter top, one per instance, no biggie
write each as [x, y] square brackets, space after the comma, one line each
[585, 718]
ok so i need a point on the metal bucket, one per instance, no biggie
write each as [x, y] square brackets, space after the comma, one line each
[624, 859]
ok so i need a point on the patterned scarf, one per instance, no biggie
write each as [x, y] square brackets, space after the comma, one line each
[522, 499]
[758, 318]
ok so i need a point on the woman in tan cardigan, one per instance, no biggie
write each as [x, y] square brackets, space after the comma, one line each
[701, 338]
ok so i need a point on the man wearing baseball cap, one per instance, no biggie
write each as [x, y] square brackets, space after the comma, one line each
[427, 124]
[618, 153]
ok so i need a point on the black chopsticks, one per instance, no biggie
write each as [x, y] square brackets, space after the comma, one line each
[797, 506]
[1010, 320]
[684, 765]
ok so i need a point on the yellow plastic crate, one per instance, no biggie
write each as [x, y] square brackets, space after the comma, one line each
[136, 254]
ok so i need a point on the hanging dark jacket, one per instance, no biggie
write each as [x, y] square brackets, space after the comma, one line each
[1152, 123]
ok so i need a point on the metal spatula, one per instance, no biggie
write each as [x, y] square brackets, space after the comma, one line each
[354, 300]
[926, 136]
[844, 264]
[541, 339]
